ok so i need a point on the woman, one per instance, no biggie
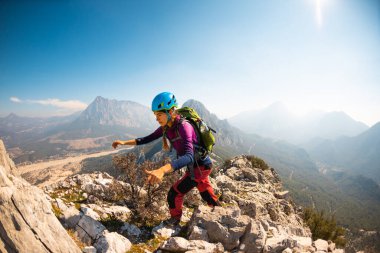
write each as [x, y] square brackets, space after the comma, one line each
[163, 106]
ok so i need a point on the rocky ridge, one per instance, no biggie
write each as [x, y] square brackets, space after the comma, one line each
[257, 216]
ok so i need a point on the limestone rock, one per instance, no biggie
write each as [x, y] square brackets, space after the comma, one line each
[225, 225]
[92, 228]
[89, 212]
[179, 244]
[254, 239]
[112, 243]
[259, 194]
[27, 221]
[321, 245]
[89, 249]
[71, 217]
[164, 231]
[131, 230]
[198, 233]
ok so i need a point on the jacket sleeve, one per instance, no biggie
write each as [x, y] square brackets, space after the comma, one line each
[186, 132]
[153, 136]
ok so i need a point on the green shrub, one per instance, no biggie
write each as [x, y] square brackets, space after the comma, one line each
[257, 162]
[144, 199]
[324, 227]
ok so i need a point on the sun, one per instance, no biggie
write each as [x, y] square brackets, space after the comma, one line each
[318, 13]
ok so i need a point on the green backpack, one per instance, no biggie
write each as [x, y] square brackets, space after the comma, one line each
[205, 137]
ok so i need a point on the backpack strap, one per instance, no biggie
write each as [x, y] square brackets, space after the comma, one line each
[178, 136]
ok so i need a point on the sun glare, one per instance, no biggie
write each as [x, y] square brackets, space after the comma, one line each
[318, 12]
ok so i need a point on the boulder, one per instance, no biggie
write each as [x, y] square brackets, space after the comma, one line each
[89, 230]
[199, 234]
[27, 221]
[179, 244]
[71, 217]
[225, 225]
[130, 229]
[89, 212]
[321, 245]
[165, 231]
[254, 239]
[112, 243]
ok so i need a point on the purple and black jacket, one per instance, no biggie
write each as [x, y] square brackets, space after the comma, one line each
[183, 146]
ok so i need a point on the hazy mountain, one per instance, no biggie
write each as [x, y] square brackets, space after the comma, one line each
[359, 154]
[227, 136]
[111, 117]
[272, 121]
[94, 129]
[109, 112]
[15, 130]
[335, 124]
[276, 121]
[233, 141]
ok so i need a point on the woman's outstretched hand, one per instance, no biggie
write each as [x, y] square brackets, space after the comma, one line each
[156, 176]
[119, 142]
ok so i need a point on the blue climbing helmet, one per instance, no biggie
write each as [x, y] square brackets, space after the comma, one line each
[164, 101]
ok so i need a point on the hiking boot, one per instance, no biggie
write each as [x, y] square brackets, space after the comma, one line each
[171, 222]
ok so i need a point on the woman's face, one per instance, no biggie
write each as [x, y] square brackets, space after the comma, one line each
[161, 118]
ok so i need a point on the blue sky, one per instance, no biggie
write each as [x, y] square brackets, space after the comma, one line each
[57, 56]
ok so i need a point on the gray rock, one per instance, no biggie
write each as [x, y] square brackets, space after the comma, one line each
[71, 217]
[89, 249]
[120, 212]
[89, 212]
[130, 229]
[176, 244]
[254, 239]
[94, 189]
[82, 235]
[198, 233]
[92, 228]
[282, 195]
[179, 244]
[321, 245]
[304, 243]
[278, 244]
[331, 246]
[165, 232]
[27, 221]
[60, 204]
[225, 225]
[112, 243]
[5, 160]
[250, 174]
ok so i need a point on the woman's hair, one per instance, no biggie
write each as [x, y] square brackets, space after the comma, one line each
[165, 141]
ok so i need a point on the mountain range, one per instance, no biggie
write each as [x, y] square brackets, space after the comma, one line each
[94, 129]
[276, 121]
[317, 173]
[359, 155]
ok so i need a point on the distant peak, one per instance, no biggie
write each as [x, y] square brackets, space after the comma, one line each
[193, 102]
[12, 115]
[100, 98]
[198, 106]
